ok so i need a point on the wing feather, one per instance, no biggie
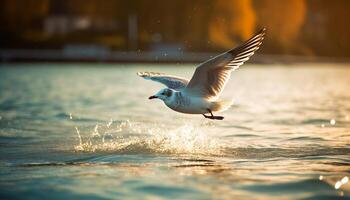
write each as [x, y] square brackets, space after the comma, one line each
[172, 82]
[210, 77]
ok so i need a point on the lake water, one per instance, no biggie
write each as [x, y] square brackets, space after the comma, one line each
[71, 131]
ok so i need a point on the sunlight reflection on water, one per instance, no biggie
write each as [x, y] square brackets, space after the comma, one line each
[85, 130]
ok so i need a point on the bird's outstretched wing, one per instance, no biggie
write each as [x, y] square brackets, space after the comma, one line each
[210, 77]
[172, 82]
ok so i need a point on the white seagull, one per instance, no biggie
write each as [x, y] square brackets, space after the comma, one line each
[200, 94]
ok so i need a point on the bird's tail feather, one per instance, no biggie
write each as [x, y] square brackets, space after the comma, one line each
[221, 105]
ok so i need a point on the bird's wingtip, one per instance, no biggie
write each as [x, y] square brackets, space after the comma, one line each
[143, 74]
[148, 74]
[262, 31]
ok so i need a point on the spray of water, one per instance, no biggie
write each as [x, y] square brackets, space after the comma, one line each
[80, 140]
[127, 137]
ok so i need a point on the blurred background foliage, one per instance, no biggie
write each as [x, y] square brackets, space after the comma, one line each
[295, 27]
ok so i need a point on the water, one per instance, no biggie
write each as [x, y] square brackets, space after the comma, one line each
[88, 131]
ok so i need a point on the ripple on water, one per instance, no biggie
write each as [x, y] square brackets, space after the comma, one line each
[300, 188]
[307, 138]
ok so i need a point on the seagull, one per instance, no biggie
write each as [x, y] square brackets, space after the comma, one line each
[200, 95]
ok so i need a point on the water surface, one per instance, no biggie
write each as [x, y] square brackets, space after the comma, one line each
[89, 131]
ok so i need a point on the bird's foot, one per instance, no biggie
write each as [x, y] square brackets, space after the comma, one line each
[218, 117]
[214, 117]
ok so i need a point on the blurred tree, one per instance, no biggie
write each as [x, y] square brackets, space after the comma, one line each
[326, 30]
[22, 15]
[175, 22]
[21, 21]
[94, 8]
[283, 20]
[157, 20]
[304, 27]
[234, 21]
[195, 23]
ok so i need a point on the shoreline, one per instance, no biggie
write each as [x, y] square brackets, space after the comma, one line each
[53, 55]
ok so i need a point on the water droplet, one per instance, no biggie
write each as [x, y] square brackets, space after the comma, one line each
[344, 180]
[96, 133]
[337, 185]
[109, 123]
[332, 122]
[79, 137]
[320, 177]
[96, 127]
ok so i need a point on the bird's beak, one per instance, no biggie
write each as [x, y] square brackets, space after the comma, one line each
[152, 97]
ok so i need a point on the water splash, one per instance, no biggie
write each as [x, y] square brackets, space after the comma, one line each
[126, 137]
[343, 181]
[80, 140]
[109, 123]
[95, 133]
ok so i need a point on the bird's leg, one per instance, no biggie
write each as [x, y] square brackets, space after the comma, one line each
[209, 117]
[212, 116]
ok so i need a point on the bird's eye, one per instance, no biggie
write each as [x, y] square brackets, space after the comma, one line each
[168, 93]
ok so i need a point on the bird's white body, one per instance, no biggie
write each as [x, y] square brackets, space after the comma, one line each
[200, 94]
[183, 103]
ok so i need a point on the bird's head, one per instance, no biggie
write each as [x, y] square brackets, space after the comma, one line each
[163, 94]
